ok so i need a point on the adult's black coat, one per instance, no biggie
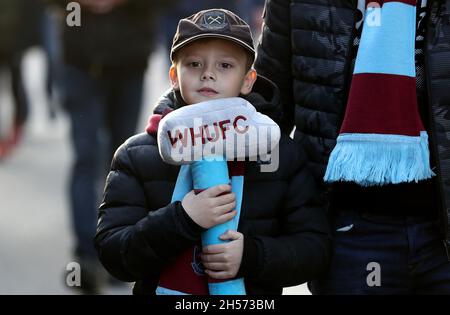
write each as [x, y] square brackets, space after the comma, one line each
[306, 49]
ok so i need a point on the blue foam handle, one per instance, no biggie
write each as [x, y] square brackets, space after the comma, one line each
[206, 174]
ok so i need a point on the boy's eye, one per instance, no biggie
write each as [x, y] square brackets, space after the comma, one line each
[194, 64]
[226, 65]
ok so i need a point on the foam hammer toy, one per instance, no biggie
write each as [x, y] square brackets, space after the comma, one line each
[228, 127]
[183, 137]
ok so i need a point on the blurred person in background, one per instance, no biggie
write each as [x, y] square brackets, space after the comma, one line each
[105, 60]
[251, 11]
[51, 44]
[20, 22]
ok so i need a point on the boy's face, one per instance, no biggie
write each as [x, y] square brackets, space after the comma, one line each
[211, 69]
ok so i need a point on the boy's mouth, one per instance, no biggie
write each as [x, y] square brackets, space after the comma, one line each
[207, 91]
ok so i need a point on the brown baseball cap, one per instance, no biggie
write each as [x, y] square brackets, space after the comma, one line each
[214, 23]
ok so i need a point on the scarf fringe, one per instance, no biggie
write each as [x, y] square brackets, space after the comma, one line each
[376, 159]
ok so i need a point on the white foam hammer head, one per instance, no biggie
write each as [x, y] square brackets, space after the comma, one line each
[229, 127]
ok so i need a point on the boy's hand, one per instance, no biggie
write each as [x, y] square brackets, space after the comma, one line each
[222, 261]
[208, 208]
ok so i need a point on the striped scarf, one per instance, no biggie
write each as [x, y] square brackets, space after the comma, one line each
[186, 275]
[382, 139]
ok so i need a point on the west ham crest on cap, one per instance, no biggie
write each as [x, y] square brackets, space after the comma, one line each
[214, 20]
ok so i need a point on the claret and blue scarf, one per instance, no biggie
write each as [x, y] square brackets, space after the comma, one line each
[382, 139]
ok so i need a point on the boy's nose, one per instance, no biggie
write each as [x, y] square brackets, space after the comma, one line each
[208, 75]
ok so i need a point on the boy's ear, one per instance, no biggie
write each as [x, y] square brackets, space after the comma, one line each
[249, 80]
[174, 77]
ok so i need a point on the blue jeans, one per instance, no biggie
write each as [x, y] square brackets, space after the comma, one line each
[376, 254]
[103, 113]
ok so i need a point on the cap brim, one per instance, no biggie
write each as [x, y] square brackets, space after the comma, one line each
[211, 35]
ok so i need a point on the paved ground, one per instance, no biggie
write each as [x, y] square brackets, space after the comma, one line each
[35, 236]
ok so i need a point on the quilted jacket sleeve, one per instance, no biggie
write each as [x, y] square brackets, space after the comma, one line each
[133, 240]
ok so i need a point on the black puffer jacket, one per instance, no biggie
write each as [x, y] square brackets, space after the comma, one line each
[283, 220]
[306, 49]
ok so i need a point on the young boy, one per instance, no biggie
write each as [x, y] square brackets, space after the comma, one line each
[282, 238]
